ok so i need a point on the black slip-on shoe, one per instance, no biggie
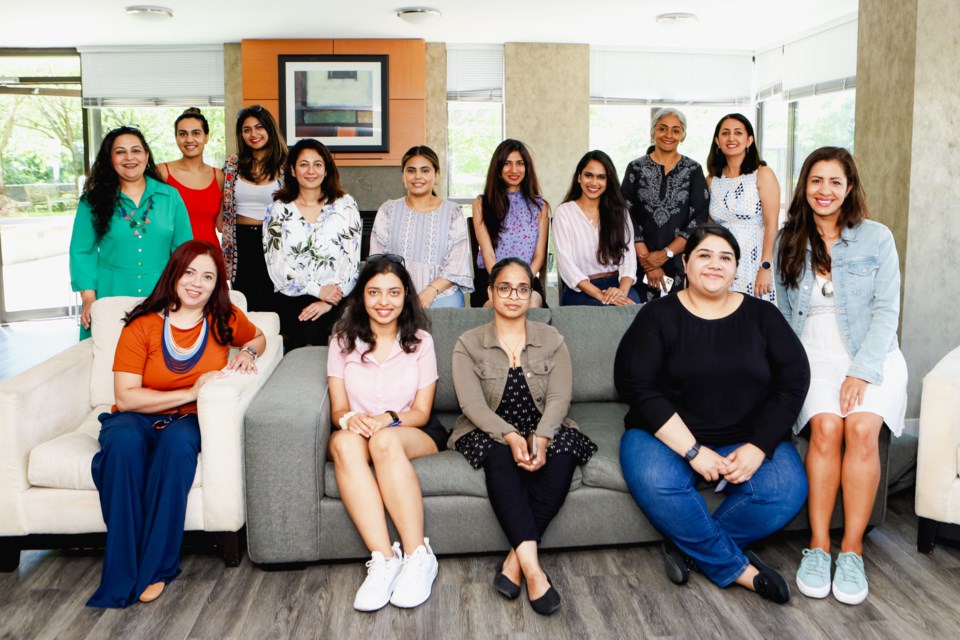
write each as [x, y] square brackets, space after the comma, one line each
[675, 564]
[769, 584]
[504, 585]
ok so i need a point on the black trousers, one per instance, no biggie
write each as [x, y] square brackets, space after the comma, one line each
[252, 278]
[298, 333]
[524, 502]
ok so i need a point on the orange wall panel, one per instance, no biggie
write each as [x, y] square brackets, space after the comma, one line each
[408, 125]
[408, 72]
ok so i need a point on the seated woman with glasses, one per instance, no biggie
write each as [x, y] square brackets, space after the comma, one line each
[172, 344]
[253, 176]
[382, 374]
[593, 237]
[515, 426]
[715, 380]
[311, 237]
[128, 223]
[429, 232]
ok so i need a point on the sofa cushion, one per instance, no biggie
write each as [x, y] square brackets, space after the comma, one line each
[593, 335]
[65, 461]
[603, 423]
[106, 323]
[446, 327]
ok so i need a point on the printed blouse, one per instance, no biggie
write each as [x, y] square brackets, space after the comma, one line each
[519, 230]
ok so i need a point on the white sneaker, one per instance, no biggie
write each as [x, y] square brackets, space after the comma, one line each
[416, 578]
[382, 574]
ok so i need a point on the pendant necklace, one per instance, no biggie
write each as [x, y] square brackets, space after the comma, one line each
[514, 357]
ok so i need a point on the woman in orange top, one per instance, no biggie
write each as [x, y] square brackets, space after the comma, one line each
[199, 184]
[173, 343]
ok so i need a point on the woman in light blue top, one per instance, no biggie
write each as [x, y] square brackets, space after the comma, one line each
[838, 284]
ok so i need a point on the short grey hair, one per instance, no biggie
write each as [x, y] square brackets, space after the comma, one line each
[669, 111]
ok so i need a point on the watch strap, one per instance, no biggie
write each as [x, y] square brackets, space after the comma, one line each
[692, 453]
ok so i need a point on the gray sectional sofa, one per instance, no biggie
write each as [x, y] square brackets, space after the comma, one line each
[294, 514]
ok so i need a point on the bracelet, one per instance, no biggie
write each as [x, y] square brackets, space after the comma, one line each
[434, 288]
[251, 351]
[345, 418]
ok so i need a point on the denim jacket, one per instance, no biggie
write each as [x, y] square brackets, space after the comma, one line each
[866, 282]
[480, 367]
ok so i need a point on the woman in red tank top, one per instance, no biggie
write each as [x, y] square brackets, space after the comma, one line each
[199, 184]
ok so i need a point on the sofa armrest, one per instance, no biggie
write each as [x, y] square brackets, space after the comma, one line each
[938, 487]
[221, 407]
[38, 405]
[286, 431]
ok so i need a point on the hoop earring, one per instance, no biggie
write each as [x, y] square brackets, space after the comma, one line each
[718, 152]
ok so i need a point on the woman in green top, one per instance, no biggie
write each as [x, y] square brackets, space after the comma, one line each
[128, 223]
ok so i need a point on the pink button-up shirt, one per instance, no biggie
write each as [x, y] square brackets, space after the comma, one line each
[392, 386]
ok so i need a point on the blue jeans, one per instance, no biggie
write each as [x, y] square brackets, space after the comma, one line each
[571, 297]
[665, 486]
[453, 301]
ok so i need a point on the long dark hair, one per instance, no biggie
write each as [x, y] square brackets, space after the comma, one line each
[494, 201]
[102, 189]
[716, 160]
[330, 187]
[424, 152]
[164, 295]
[354, 324]
[800, 228]
[613, 209]
[272, 163]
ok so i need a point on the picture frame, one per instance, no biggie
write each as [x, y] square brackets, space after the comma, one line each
[342, 101]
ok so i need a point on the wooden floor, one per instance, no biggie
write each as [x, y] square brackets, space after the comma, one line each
[612, 593]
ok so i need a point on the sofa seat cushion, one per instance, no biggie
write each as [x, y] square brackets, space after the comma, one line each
[65, 461]
[444, 474]
[603, 423]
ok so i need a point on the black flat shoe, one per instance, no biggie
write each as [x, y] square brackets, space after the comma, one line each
[504, 585]
[675, 564]
[547, 604]
[768, 584]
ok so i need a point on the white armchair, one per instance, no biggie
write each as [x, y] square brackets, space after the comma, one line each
[938, 452]
[49, 430]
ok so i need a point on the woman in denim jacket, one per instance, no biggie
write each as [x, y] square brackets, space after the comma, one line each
[514, 382]
[838, 285]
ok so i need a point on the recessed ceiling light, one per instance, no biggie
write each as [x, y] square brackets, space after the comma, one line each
[418, 15]
[677, 19]
[149, 12]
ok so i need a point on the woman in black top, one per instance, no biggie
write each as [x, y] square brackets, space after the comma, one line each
[715, 381]
[667, 198]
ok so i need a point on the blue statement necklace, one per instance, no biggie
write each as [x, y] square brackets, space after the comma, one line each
[177, 358]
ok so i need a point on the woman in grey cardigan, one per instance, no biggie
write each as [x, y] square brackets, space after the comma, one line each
[514, 382]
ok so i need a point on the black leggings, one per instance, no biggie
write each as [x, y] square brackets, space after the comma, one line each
[299, 333]
[526, 502]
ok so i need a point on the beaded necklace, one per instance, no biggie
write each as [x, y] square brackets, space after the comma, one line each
[138, 224]
[179, 359]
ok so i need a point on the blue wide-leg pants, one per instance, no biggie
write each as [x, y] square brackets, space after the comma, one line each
[143, 475]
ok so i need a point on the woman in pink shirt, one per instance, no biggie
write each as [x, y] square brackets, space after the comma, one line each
[593, 237]
[382, 374]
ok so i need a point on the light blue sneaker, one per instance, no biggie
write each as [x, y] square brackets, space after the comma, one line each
[850, 580]
[813, 576]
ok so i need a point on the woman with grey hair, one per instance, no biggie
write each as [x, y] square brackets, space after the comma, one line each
[667, 197]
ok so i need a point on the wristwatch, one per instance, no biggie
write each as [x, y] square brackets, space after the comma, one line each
[396, 419]
[669, 253]
[251, 351]
[766, 265]
[694, 450]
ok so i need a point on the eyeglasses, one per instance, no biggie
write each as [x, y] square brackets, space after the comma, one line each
[505, 291]
[392, 257]
[254, 108]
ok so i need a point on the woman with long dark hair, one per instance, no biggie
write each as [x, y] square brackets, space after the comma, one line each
[382, 374]
[510, 218]
[838, 284]
[428, 231]
[172, 344]
[515, 426]
[311, 238]
[128, 223]
[253, 176]
[593, 235]
[667, 196]
[745, 198]
[199, 184]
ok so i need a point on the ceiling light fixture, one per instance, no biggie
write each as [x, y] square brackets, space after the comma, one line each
[149, 12]
[677, 19]
[418, 15]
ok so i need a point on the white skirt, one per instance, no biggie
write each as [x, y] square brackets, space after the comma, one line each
[829, 364]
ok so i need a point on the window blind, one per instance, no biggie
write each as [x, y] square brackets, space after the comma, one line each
[475, 73]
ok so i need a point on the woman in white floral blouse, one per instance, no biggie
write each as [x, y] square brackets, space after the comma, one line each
[311, 238]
